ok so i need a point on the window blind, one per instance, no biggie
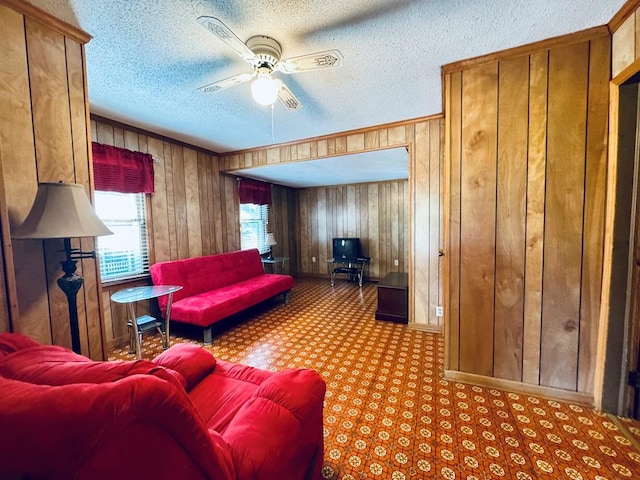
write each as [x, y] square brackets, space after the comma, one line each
[125, 254]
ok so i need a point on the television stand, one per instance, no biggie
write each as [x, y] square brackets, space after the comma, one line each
[352, 267]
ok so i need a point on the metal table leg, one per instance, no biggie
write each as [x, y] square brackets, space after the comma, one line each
[134, 324]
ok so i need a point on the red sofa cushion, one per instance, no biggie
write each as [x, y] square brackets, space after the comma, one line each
[191, 361]
[247, 405]
[203, 274]
[52, 365]
[209, 307]
[138, 427]
[125, 420]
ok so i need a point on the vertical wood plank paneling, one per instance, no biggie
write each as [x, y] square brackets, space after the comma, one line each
[374, 230]
[91, 292]
[435, 222]
[420, 185]
[370, 219]
[478, 222]
[324, 249]
[592, 260]
[50, 102]
[363, 210]
[54, 153]
[171, 201]
[549, 205]
[192, 203]
[159, 202]
[454, 145]
[313, 232]
[537, 153]
[20, 175]
[232, 224]
[8, 296]
[106, 313]
[180, 201]
[395, 223]
[623, 45]
[513, 105]
[568, 90]
[217, 200]
[43, 124]
[203, 203]
[194, 186]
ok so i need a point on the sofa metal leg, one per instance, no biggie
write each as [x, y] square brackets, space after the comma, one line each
[208, 336]
[286, 296]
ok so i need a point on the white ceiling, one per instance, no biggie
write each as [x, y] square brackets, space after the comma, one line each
[374, 166]
[148, 57]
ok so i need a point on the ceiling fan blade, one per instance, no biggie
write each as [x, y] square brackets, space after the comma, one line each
[219, 29]
[287, 97]
[227, 82]
[312, 61]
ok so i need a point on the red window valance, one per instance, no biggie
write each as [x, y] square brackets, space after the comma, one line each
[254, 191]
[120, 170]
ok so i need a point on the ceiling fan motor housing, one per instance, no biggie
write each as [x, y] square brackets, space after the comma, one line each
[267, 49]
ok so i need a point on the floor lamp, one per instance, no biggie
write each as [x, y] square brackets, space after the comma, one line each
[62, 210]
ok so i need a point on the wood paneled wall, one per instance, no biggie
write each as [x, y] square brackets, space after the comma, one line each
[194, 210]
[526, 155]
[625, 44]
[422, 138]
[44, 138]
[377, 213]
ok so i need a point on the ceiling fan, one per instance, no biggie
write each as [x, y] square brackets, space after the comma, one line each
[263, 54]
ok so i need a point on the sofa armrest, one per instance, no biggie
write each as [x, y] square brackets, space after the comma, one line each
[280, 428]
[137, 427]
[191, 361]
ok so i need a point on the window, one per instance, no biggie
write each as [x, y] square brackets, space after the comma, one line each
[124, 254]
[253, 226]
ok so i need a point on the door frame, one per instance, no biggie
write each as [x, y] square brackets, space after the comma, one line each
[614, 323]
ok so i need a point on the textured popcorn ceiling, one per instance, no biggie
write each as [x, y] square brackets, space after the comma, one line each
[148, 57]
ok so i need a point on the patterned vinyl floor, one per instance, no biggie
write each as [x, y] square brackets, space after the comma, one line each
[389, 414]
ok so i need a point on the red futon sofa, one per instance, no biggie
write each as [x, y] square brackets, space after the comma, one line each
[217, 286]
[184, 415]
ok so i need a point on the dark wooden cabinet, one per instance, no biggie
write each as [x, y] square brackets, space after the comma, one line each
[393, 298]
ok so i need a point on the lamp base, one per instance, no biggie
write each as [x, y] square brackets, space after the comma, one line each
[270, 257]
[70, 284]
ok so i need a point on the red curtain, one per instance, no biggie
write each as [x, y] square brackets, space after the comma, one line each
[121, 170]
[253, 191]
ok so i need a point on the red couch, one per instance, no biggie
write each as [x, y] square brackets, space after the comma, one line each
[217, 286]
[184, 415]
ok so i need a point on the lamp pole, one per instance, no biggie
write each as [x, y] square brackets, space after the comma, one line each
[70, 284]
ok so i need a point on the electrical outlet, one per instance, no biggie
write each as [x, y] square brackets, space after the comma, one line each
[439, 312]
[395, 262]
[313, 259]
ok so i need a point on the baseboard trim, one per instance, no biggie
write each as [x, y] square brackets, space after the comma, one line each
[624, 429]
[519, 387]
[421, 327]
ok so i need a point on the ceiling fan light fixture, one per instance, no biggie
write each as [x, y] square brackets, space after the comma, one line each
[265, 89]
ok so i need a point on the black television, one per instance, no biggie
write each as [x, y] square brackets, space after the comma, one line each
[346, 248]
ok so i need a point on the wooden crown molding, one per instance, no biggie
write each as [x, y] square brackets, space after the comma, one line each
[132, 128]
[625, 12]
[562, 40]
[356, 131]
[35, 13]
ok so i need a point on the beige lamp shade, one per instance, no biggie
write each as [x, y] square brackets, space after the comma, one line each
[61, 210]
[271, 240]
